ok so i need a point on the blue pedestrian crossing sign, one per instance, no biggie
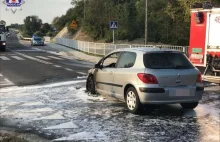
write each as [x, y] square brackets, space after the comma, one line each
[113, 25]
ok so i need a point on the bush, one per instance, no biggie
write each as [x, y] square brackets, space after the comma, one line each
[38, 33]
[50, 34]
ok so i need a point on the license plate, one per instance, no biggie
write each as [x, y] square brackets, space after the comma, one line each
[196, 56]
[182, 92]
[179, 92]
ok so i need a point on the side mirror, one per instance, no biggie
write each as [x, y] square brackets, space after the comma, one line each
[98, 66]
[7, 29]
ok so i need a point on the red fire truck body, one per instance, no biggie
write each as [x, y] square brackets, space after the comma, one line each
[204, 45]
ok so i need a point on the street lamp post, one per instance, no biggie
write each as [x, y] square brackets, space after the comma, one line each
[146, 25]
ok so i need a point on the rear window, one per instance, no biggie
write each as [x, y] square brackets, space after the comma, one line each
[166, 61]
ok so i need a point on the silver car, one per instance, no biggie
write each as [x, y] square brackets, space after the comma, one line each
[37, 41]
[141, 76]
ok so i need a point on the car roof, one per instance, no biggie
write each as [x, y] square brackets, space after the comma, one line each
[147, 49]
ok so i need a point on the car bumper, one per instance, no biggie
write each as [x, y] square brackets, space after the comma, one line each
[37, 43]
[169, 95]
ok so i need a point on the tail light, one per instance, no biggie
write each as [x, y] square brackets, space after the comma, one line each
[199, 78]
[147, 78]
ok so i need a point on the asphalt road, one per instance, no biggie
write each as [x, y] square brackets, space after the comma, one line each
[23, 65]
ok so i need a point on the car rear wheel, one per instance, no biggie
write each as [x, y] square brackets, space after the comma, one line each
[189, 105]
[132, 101]
[90, 85]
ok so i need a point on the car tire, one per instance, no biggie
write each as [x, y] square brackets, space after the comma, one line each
[90, 85]
[132, 101]
[189, 105]
[3, 49]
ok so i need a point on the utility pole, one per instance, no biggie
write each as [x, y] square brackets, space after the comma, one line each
[146, 25]
[84, 9]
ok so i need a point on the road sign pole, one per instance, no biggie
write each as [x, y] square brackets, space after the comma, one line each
[146, 24]
[113, 36]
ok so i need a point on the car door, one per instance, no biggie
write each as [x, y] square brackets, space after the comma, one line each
[104, 75]
[123, 73]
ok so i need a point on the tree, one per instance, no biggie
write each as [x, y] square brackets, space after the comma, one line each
[46, 28]
[168, 20]
[32, 24]
[38, 33]
[54, 21]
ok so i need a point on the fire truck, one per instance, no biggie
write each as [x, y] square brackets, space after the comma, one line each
[204, 44]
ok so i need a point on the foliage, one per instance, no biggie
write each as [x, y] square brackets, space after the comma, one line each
[34, 25]
[31, 25]
[46, 28]
[168, 20]
[38, 33]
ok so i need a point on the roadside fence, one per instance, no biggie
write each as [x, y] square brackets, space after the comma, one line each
[105, 48]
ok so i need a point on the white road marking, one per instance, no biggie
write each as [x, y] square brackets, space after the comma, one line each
[68, 125]
[7, 82]
[53, 57]
[68, 69]
[82, 73]
[4, 58]
[16, 57]
[1, 75]
[32, 58]
[41, 57]
[57, 66]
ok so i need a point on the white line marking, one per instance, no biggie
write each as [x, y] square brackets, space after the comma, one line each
[5, 84]
[16, 57]
[27, 50]
[82, 73]
[68, 69]
[8, 82]
[1, 75]
[57, 66]
[41, 57]
[32, 58]
[4, 58]
[53, 57]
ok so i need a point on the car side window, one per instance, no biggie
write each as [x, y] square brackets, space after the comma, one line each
[127, 60]
[111, 61]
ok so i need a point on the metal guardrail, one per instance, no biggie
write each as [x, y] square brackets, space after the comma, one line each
[105, 48]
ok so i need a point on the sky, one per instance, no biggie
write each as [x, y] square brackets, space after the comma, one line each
[44, 9]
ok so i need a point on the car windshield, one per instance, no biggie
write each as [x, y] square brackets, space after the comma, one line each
[2, 28]
[38, 38]
[167, 61]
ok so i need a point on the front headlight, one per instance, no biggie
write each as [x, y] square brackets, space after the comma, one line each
[3, 43]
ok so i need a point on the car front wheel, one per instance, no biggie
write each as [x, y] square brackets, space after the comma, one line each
[132, 101]
[189, 105]
[90, 85]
